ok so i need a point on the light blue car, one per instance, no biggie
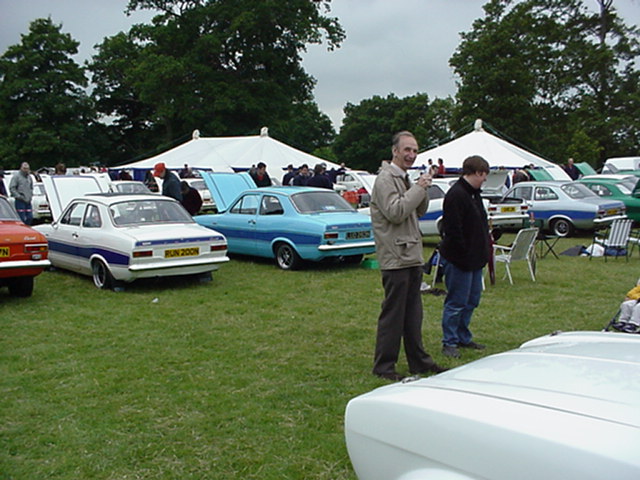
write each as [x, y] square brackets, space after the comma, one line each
[289, 224]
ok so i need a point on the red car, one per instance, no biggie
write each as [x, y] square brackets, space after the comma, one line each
[23, 252]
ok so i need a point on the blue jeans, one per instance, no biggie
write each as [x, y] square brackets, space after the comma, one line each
[464, 289]
[24, 211]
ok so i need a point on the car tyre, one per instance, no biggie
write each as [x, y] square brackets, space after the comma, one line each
[102, 277]
[562, 227]
[352, 259]
[287, 258]
[21, 287]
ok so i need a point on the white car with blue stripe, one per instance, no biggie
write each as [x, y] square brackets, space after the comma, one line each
[119, 238]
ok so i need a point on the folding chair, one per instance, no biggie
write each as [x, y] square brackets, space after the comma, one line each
[523, 248]
[615, 238]
[546, 242]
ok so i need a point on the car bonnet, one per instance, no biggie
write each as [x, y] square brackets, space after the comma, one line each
[61, 189]
[226, 187]
[594, 374]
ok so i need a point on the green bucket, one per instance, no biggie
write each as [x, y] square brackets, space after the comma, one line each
[370, 263]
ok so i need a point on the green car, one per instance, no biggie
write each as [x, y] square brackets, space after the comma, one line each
[619, 187]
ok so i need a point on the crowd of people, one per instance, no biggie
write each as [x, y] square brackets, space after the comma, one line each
[396, 205]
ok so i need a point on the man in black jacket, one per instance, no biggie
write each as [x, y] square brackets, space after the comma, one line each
[465, 251]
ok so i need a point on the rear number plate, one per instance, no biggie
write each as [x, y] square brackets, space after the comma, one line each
[356, 235]
[182, 252]
[4, 251]
[507, 209]
[613, 211]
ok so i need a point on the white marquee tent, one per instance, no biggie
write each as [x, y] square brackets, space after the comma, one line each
[498, 152]
[229, 154]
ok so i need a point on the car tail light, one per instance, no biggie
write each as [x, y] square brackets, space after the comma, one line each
[492, 209]
[36, 248]
[525, 208]
[218, 247]
[330, 235]
[143, 253]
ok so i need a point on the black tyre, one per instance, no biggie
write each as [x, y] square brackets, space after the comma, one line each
[21, 287]
[352, 259]
[102, 277]
[562, 227]
[287, 258]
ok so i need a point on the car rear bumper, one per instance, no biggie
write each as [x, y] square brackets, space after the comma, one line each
[29, 264]
[347, 246]
[608, 220]
[200, 264]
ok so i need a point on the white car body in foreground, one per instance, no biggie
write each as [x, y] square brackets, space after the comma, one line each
[560, 407]
[123, 237]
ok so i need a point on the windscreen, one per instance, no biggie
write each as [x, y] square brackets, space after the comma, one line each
[6, 210]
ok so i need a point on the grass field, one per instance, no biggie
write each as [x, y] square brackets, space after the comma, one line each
[243, 377]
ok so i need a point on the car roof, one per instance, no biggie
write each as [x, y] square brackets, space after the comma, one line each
[110, 198]
[549, 183]
[608, 177]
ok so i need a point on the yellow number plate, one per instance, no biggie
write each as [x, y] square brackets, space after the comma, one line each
[507, 209]
[612, 212]
[4, 252]
[182, 252]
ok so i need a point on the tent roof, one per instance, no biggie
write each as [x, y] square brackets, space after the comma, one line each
[228, 154]
[496, 151]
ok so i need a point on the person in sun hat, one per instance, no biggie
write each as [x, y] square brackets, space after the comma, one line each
[170, 182]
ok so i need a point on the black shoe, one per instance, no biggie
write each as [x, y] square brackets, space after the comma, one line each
[449, 351]
[393, 376]
[473, 345]
[435, 368]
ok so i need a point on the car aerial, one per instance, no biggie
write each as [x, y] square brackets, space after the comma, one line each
[564, 207]
[118, 238]
[23, 252]
[617, 187]
[563, 406]
[128, 186]
[289, 224]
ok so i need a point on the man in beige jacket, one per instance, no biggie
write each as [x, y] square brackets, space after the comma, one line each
[396, 206]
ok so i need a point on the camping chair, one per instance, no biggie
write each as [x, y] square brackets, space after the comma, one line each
[615, 238]
[547, 242]
[523, 248]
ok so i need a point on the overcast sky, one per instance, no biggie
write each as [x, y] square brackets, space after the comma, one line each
[392, 46]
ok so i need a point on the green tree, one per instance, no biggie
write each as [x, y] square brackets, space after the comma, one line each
[45, 114]
[365, 137]
[226, 67]
[542, 71]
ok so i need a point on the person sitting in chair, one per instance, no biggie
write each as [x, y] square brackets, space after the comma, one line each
[630, 310]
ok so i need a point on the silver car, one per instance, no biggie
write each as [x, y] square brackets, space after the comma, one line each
[565, 207]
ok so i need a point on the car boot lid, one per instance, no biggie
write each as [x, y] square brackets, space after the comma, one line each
[61, 189]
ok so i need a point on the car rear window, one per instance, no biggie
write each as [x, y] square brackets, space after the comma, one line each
[577, 190]
[138, 212]
[317, 202]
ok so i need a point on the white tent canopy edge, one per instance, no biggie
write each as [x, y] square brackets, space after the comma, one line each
[498, 152]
